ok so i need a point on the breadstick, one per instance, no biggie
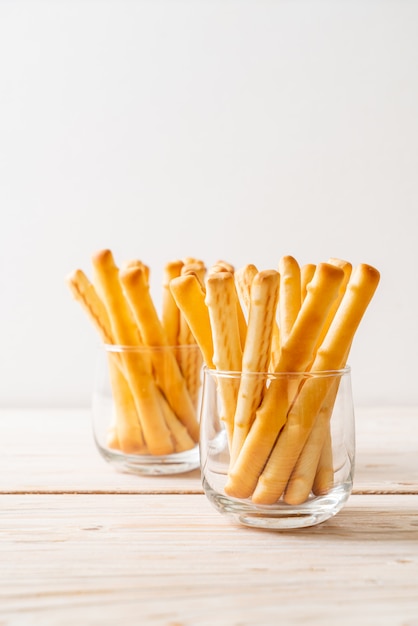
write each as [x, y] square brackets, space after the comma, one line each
[189, 295]
[124, 329]
[136, 366]
[347, 269]
[190, 362]
[221, 298]
[257, 353]
[181, 437]
[137, 263]
[85, 293]
[136, 291]
[190, 299]
[222, 266]
[314, 468]
[309, 455]
[289, 296]
[324, 476]
[192, 260]
[295, 355]
[191, 365]
[303, 474]
[243, 280]
[242, 324]
[314, 393]
[145, 392]
[167, 372]
[127, 430]
[196, 267]
[306, 274]
[170, 315]
[297, 352]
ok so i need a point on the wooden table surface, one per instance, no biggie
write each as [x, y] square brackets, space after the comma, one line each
[82, 544]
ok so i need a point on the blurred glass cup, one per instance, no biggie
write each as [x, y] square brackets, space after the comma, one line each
[144, 408]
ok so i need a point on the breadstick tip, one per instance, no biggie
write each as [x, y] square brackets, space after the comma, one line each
[132, 275]
[102, 256]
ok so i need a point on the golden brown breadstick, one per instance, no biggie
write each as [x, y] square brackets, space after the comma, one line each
[190, 362]
[137, 263]
[309, 456]
[289, 296]
[181, 437]
[189, 295]
[106, 280]
[295, 355]
[324, 475]
[194, 266]
[242, 324]
[318, 443]
[314, 468]
[128, 429]
[222, 266]
[243, 280]
[314, 393]
[257, 353]
[127, 433]
[306, 274]
[170, 315]
[197, 268]
[136, 291]
[190, 299]
[298, 350]
[304, 473]
[145, 392]
[84, 292]
[137, 367]
[320, 479]
[221, 300]
[221, 297]
[192, 260]
[186, 337]
[347, 269]
[166, 369]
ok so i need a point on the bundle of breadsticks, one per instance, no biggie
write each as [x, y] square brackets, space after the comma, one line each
[290, 319]
[154, 392]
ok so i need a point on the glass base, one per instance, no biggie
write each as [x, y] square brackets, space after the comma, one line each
[281, 516]
[150, 465]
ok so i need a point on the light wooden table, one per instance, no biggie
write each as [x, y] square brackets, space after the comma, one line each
[81, 544]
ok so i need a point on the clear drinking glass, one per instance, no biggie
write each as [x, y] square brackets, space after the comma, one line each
[277, 450]
[144, 408]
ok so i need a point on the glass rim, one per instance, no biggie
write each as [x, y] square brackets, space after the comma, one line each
[113, 347]
[276, 375]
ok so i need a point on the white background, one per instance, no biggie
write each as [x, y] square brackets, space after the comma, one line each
[219, 129]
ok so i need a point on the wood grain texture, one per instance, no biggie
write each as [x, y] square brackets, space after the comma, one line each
[54, 452]
[82, 544]
[174, 561]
